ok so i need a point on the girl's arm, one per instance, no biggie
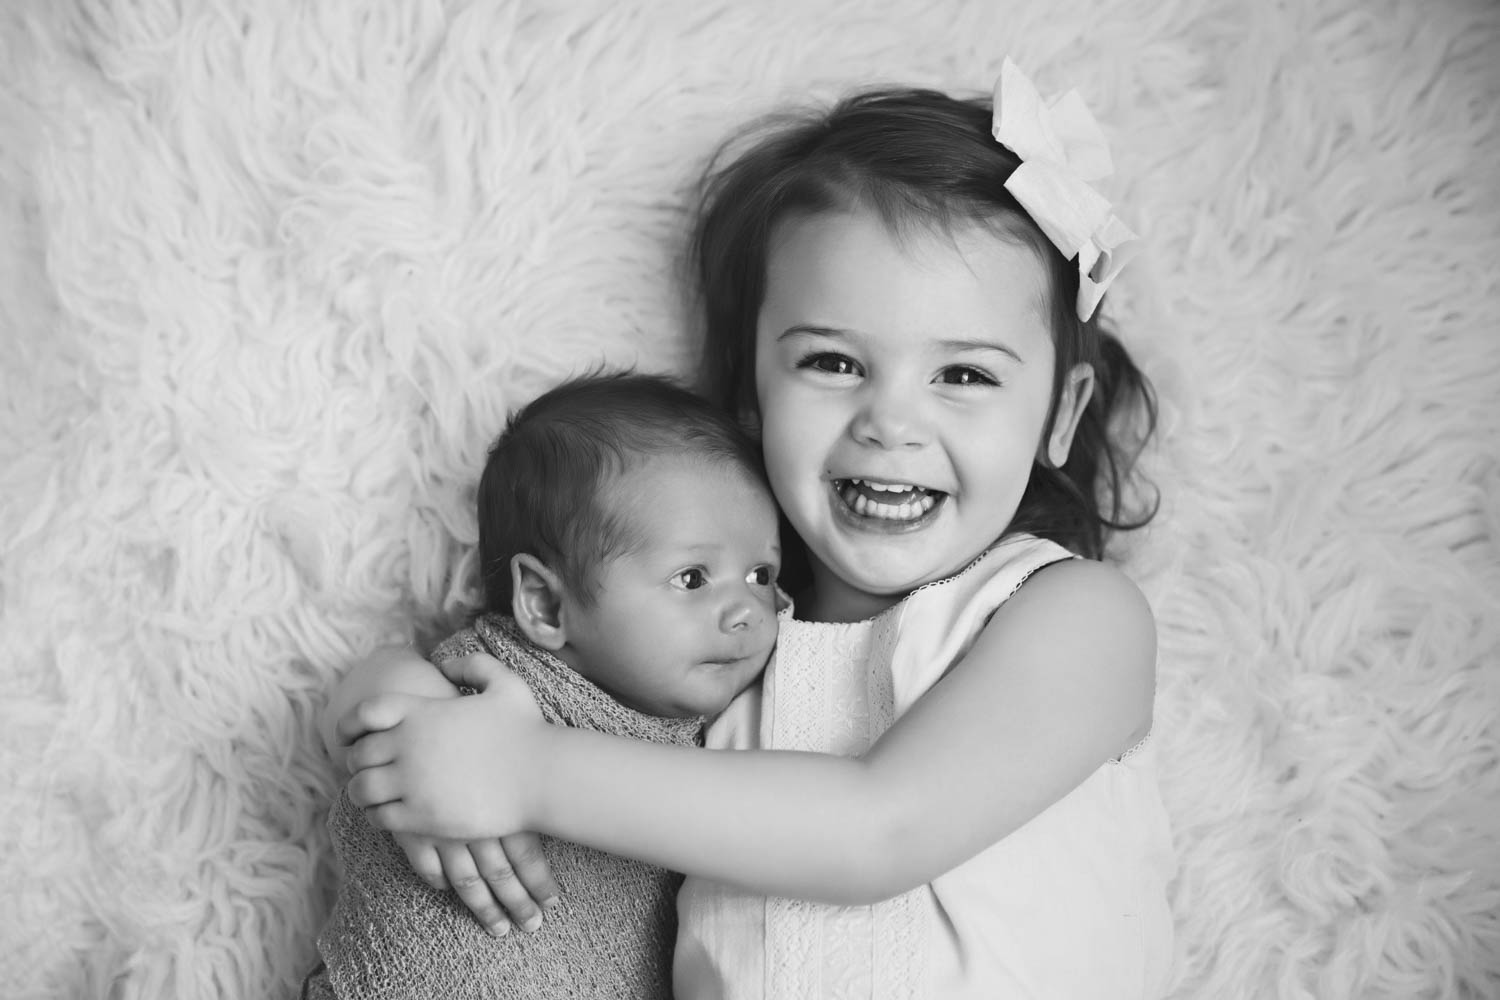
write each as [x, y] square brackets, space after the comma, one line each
[1059, 682]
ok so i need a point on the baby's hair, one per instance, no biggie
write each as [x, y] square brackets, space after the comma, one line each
[919, 158]
[544, 485]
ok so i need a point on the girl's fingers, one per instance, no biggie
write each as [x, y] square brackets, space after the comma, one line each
[369, 751]
[372, 715]
[422, 855]
[390, 816]
[371, 789]
[477, 670]
[500, 875]
[462, 872]
[524, 853]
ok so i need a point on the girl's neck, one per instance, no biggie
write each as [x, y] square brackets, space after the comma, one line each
[830, 599]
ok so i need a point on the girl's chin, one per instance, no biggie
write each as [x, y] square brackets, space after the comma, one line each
[878, 582]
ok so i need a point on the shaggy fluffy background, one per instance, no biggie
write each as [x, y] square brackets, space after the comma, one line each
[274, 273]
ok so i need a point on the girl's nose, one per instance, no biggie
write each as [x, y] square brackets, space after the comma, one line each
[889, 418]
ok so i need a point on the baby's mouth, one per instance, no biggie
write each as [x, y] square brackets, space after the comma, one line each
[900, 502]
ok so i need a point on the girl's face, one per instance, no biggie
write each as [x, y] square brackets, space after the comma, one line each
[903, 385]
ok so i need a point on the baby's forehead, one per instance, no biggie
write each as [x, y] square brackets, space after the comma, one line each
[708, 490]
[649, 469]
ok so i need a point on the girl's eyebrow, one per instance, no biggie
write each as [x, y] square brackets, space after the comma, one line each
[982, 345]
[810, 330]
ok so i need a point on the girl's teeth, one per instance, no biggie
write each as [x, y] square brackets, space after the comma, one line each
[910, 510]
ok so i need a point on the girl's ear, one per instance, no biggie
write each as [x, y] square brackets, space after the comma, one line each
[536, 601]
[1077, 390]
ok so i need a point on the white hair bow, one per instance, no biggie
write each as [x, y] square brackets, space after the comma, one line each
[1061, 148]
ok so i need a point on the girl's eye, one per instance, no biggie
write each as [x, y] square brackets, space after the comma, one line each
[833, 364]
[762, 576]
[965, 375]
[690, 579]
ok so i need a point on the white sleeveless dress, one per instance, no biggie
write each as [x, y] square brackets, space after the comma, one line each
[1072, 905]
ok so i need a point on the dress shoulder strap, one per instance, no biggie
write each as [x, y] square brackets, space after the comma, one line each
[940, 621]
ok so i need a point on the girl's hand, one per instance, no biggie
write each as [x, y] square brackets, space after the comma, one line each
[392, 670]
[379, 694]
[459, 768]
[374, 715]
[495, 879]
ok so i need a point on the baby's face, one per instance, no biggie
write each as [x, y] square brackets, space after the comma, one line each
[685, 620]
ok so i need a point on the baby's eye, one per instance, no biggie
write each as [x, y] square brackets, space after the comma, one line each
[965, 375]
[833, 364]
[762, 576]
[690, 579]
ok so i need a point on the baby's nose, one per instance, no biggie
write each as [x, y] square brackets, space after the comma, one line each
[741, 614]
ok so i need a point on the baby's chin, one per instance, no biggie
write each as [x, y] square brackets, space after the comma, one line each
[684, 706]
[708, 700]
[692, 708]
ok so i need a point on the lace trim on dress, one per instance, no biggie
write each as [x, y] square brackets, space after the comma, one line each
[836, 696]
[1139, 746]
[1009, 539]
[786, 606]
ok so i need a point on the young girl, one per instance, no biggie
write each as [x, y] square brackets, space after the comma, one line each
[954, 793]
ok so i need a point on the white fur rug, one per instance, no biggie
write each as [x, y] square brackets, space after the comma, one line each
[274, 272]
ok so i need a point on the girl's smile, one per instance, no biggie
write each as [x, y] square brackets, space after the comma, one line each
[904, 381]
[901, 505]
[873, 505]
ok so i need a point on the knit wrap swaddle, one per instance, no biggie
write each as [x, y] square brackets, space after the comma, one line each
[391, 935]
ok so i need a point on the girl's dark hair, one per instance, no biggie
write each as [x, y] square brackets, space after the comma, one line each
[919, 158]
[544, 486]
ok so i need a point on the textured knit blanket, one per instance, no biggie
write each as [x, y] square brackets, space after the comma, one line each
[392, 936]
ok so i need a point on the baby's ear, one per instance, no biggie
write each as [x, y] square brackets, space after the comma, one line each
[536, 601]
